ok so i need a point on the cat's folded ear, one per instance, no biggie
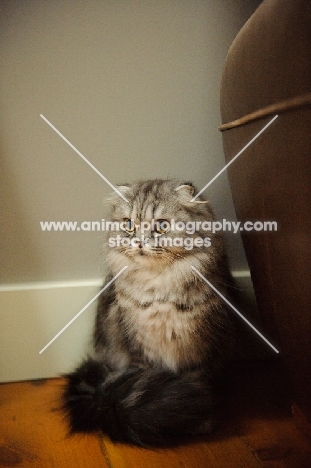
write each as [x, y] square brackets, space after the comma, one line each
[115, 196]
[186, 193]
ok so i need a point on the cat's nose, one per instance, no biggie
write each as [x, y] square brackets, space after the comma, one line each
[143, 241]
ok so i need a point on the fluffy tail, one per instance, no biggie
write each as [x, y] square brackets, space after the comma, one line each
[138, 406]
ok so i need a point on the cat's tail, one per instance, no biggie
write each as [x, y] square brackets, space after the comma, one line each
[138, 406]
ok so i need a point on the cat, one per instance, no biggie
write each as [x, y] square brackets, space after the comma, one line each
[162, 336]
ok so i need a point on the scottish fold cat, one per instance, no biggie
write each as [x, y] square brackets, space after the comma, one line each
[162, 336]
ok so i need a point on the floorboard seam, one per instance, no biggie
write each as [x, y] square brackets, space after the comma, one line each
[104, 451]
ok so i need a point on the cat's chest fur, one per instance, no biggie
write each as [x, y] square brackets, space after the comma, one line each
[156, 324]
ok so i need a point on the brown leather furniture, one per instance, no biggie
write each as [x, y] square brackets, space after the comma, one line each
[268, 73]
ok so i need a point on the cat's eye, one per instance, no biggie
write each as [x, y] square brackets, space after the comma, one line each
[128, 225]
[161, 226]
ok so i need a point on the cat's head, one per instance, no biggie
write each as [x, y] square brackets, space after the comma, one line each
[158, 224]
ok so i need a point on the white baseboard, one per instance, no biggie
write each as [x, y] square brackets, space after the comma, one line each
[33, 313]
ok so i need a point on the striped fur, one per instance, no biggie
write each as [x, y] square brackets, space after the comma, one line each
[162, 336]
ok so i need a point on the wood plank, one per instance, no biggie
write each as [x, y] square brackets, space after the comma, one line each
[217, 453]
[278, 444]
[34, 434]
[257, 431]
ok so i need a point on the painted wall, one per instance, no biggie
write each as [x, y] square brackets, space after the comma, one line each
[134, 86]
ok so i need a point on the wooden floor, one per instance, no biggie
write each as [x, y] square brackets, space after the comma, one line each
[256, 431]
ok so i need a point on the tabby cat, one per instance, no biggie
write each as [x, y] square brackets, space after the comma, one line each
[162, 335]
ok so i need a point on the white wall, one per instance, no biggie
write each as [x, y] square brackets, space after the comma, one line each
[134, 86]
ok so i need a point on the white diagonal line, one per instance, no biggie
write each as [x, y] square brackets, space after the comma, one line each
[82, 310]
[234, 309]
[235, 157]
[83, 157]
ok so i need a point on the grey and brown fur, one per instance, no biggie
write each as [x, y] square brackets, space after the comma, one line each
[162, 336]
